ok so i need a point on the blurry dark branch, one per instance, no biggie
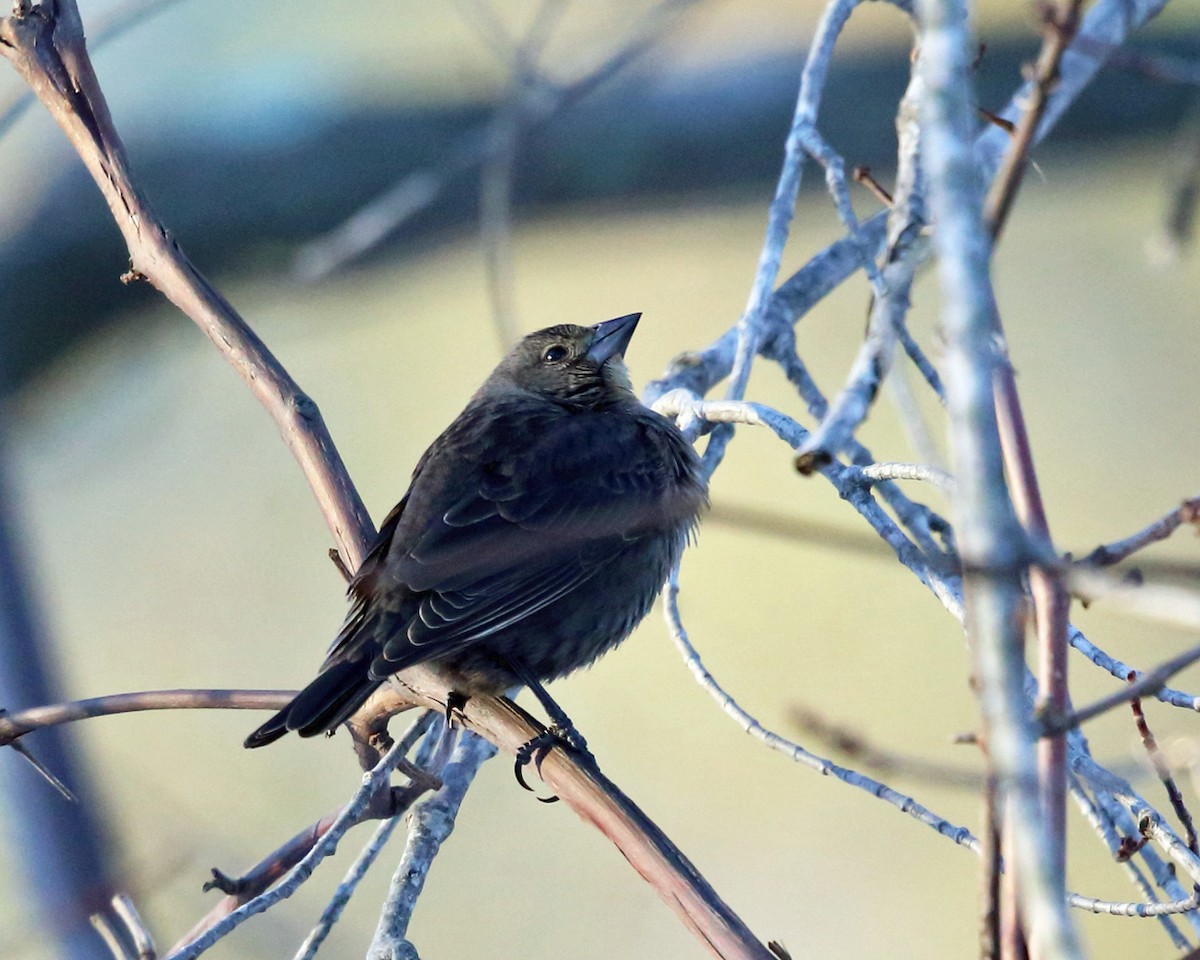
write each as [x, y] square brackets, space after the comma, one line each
[1179, 226]
[1144, 684]
[539, 103]
[858, 748]
[498, 170]
[1060, 21]
[15, 725]
[59, 846]
[47, 48]
[1107, 554]
[1159, 66]
[116, 21]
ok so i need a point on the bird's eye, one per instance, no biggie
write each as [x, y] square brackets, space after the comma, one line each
[554, 354]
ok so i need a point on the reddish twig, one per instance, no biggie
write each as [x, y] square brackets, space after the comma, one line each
[1163, 771]
[863, 175]
[1060, 21]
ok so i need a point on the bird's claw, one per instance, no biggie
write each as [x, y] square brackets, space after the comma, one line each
[455, 704]
[537, 748]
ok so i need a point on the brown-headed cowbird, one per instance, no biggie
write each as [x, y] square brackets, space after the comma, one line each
[535, 535]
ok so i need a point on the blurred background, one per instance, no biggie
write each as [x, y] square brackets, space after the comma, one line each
[169, 540]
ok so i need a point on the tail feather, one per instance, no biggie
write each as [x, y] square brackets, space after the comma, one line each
[321, 706]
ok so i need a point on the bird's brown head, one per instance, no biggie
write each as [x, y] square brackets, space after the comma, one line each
[571, 365]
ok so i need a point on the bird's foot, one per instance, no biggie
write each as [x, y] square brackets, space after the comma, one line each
[536, 749]
[455, 703]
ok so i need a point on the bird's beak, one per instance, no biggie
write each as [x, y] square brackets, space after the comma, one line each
[612, 337]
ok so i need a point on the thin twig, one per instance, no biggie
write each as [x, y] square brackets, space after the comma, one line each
[1108, 554]
[1141, 685]
[1163, 771]
[960, 835]
[372, 784]
[1060, 23]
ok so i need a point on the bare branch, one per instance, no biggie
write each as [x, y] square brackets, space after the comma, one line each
[15, 725]
[351, 814]
[47, 48]
[1108, 554]
[988, 532]
[431, 825]
[1142, 685]
[960, 835]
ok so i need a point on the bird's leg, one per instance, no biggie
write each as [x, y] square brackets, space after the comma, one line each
[561, 732]
[455, 702]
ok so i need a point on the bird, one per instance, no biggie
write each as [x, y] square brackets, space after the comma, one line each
[536, 533]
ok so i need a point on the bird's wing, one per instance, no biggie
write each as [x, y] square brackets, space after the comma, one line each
[485, 544]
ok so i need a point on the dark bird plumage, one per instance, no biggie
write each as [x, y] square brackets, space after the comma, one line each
[535, 535]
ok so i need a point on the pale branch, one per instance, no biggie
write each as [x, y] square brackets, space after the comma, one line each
[384, 805]
[346, 889]
[987, 530]
[373, 785]
[1121, 909]
[429, 727]
[13, 726]
[431, 824]
[1121, 670]
[749, 724]
[879, 472]
[891, 300]
[132, 929]
[1104, 826]
[578, 782]
[1149, 821]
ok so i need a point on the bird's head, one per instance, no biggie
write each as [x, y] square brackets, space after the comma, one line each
[571, 365]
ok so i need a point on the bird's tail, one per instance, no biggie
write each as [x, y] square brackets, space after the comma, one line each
[322, 706]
